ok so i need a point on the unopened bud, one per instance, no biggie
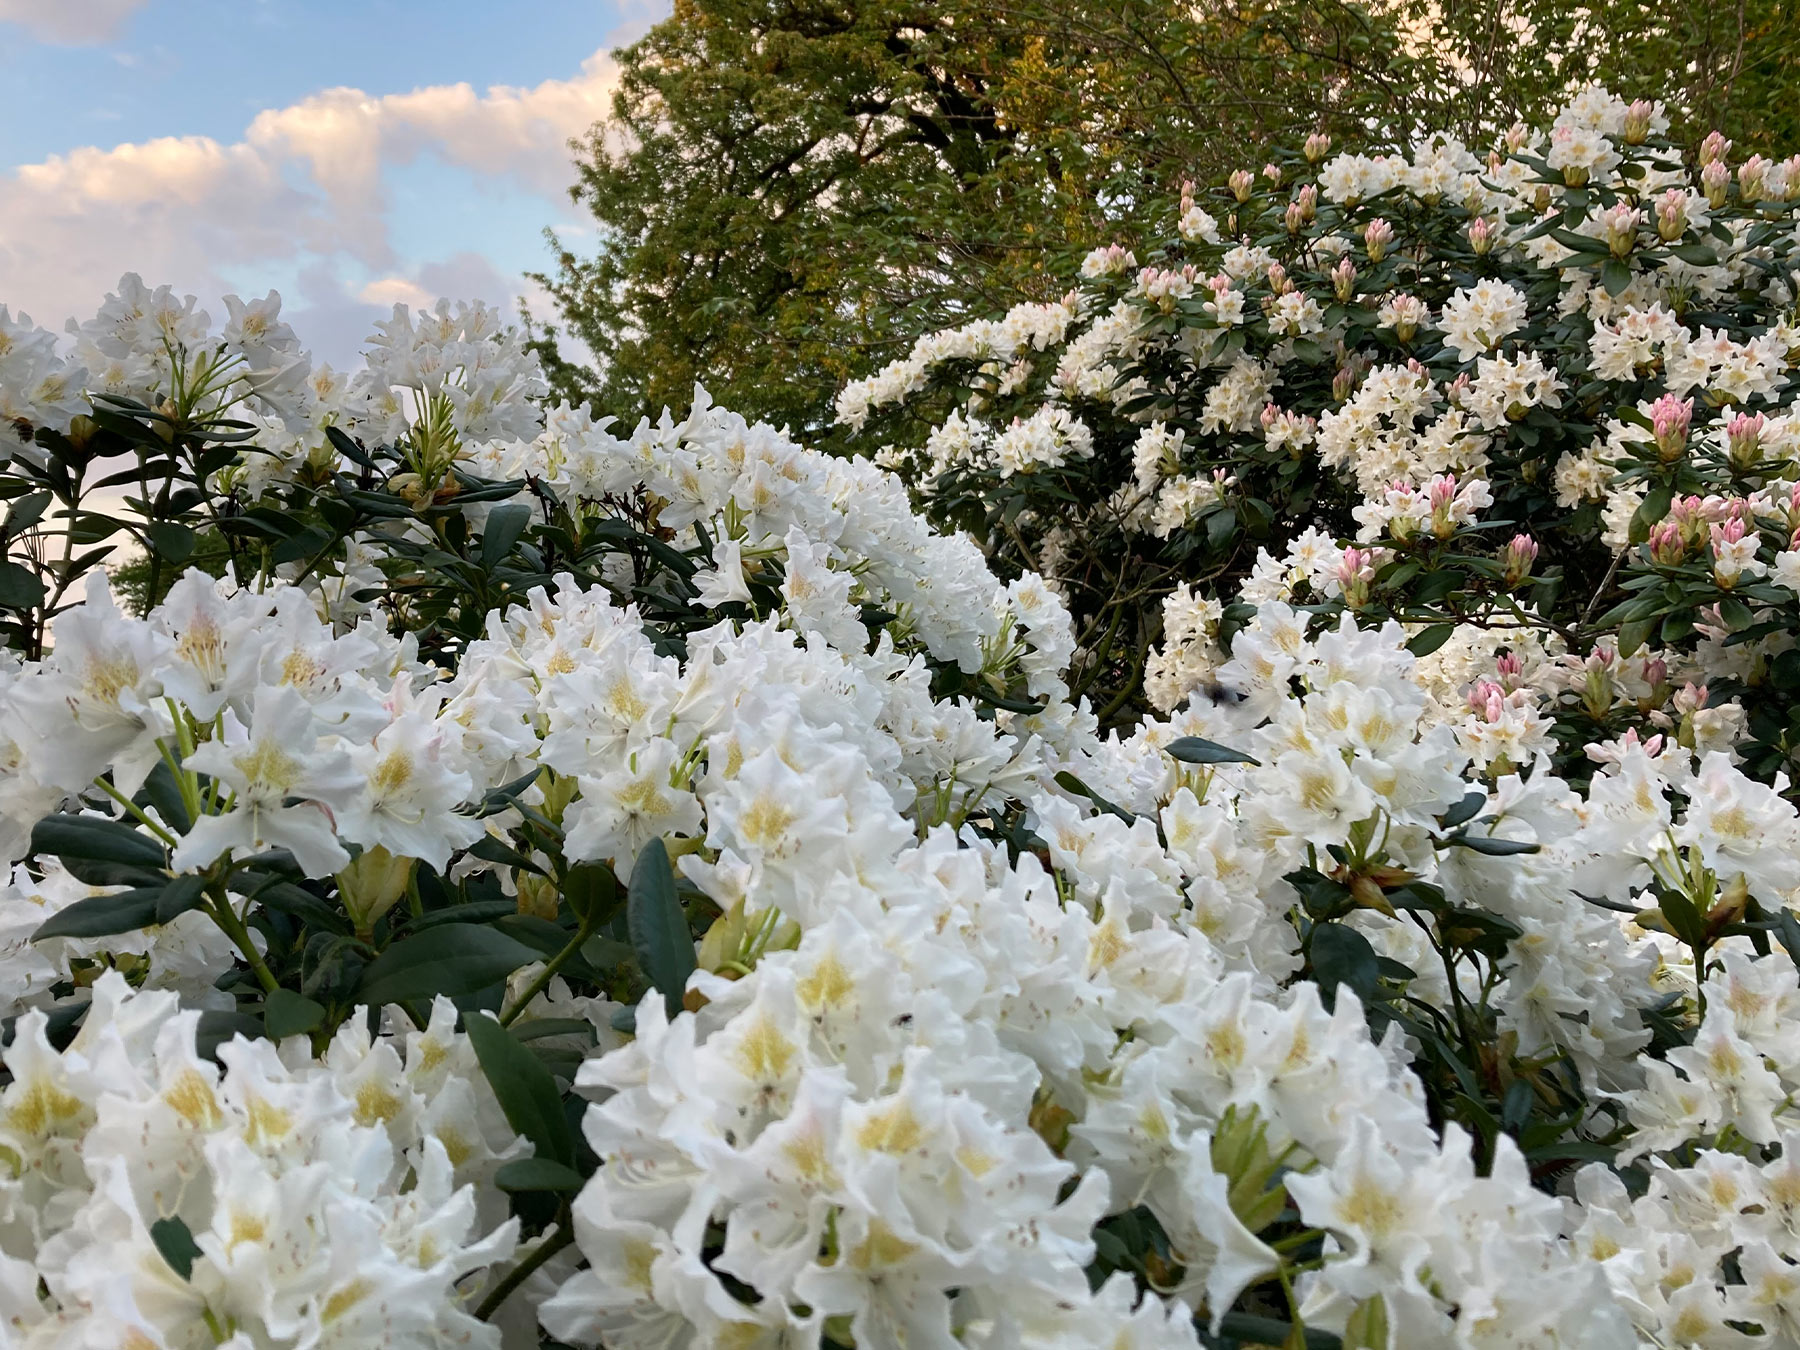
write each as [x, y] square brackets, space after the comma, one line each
[1377, 235]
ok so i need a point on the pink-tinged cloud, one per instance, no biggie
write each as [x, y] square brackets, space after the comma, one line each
[69, 23]
[304, 188]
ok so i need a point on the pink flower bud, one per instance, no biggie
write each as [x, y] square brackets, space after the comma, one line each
[1671, 215]
[1714, 148]
[1519, 556]
[1316, 146]
[1743, 440]
[1355, 570]
[1621, 223]
[1272, 172]
[1753, 178]
[1278, 279]
[1241, 182]
[1294, 218]
[1343, 280]
[1715, 182]
[1307, 199]
[1637, 121]
[1669, 420]
[1481, 236]
[1667, 548]
[1377, 235]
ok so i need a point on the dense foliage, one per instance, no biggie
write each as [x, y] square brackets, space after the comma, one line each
[1537, 406]
[556, 887]
[788, 192]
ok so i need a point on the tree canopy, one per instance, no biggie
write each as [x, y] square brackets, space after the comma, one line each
[788, 192]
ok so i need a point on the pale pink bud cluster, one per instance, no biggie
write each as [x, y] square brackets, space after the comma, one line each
[1377, 235]
[1620, 223]
[1670, 418]
[1240, 183]
[1316, 147]
[1753, 178]
[1343, 280]
[1355, 572]
[1714, 148]
[1518, 558]
[1671, 215]
[1667, 547]
[1743, 441]
[1482, 234]
[1715, 182]
[1637, 121]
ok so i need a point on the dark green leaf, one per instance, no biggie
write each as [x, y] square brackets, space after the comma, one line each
[19, 587]
[1494, 848]
[176, 1242]
[179, 896]
[537, 1174]
[525, 1089]
[504, 526]
[1428, 640]
[173, 540]
[97, 839]
[1199, 750]
[659, 928]
[216, 1028]
[1342, 955]
[103, 915]
[286, 1013]
[452, 959]
[592, 892]
[1464, 811]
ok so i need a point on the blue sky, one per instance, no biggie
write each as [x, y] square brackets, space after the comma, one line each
[320, 147]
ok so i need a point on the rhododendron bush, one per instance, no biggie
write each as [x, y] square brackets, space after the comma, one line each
[543, 884]
[1534, 400]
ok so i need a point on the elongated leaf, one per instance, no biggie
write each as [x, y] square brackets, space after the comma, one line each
[1199, 750]
[217, 1027]
[1494, 848]
[659, 928]
[1342, 955]
[286, 1013]
[1428, 640]
[504, 526]
[175, 1241]
[103, 915]
[526, 1091]
[451, 958]
[592, 892]
[179, 896]
[537, 1174]
[95, 839]
[1464, 811]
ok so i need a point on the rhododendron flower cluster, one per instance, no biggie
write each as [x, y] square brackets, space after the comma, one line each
[1577, 333]
[482, 876]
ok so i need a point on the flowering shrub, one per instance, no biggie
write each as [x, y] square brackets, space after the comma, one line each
[1536, 403]
[561, 887]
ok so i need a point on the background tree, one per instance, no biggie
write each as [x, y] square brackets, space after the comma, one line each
[789, 191]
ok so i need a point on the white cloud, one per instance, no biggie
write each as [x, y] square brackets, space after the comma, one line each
[72, 23]
[302, 193]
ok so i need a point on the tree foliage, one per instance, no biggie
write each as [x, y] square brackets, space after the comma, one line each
[788, 191]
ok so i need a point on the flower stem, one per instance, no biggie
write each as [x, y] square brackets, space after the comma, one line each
[549, 1247]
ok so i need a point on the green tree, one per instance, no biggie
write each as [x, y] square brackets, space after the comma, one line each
[788, 192]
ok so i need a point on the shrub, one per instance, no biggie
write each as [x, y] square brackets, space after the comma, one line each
[1536, 406]
[651, 889]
